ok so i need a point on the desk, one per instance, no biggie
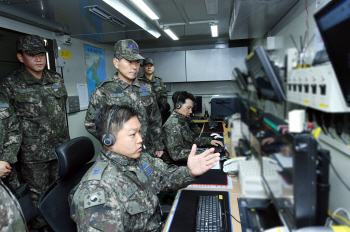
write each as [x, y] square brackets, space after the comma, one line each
[234, 193]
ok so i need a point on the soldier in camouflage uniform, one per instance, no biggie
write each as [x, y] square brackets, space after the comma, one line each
[157, 84]
[11, 216]
[39, 98]
[118, 193]
[180, 132]
[125, 89]
[10, 141]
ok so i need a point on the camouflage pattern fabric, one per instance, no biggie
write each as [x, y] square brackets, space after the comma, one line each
[180, 133]
[40, 108]
[128, 49]
[11, 216]
[31, 44]
[119, 193]
[139, 95]
[10, 137]
[158, 88]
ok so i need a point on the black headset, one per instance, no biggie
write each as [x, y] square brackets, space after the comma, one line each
[178, 104]
[109, 139]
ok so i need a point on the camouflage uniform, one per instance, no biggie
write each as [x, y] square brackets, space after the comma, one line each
[10, 138]
[158, 88]
[11, 216]
[119, 193]
[139, 95]
[180, 133]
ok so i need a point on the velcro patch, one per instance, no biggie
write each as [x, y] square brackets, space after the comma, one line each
[93, 199]
[4, 105]
[144, 166]
[156, 84]
[117, 95]
[131, 190]
[144, 89]
[149, 171]
[26, 90]
[144, 93]
[56, 86]
[175, 120]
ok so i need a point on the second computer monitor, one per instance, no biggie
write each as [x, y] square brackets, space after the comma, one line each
[197, 108]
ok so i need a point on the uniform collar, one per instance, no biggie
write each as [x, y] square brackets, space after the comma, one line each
[181, 116]
[115, 158]
[123, 84]
[30, 79]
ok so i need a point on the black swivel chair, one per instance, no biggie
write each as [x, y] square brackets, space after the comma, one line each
[53, 204]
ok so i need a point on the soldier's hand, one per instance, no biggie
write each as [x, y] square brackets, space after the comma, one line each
[5, 169]
[159, 154]
[216, 143]
[199, 164]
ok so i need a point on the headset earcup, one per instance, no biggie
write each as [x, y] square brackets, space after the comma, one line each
[178, 105]
[108, 140]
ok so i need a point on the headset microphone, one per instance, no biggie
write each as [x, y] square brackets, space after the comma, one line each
[109, 139]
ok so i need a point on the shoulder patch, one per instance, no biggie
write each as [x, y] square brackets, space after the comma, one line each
[131, 190]
[4, 105]
[175, 120]
[93, 199]
[96, 173]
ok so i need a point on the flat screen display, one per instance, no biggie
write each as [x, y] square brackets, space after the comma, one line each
[333, 22]
[197, 108]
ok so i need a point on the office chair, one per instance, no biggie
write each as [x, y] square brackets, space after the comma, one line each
[165, 112]
[53, 204]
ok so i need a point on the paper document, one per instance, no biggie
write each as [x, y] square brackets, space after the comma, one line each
[83, 95]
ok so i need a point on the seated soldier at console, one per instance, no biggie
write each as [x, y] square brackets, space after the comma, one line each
[180, 132]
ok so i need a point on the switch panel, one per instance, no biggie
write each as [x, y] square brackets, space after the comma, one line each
[73, 104]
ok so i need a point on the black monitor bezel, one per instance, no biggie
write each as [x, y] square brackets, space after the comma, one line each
[241, 79]
[198, 105]
[273, 76]
[330, 6]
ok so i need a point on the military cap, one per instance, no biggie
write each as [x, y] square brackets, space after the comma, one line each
[31, 44]
[128, 49]
[147, 61]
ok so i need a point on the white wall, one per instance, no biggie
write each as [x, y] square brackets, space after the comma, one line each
[295, 23]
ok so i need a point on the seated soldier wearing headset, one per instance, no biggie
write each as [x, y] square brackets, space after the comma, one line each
[118, 193]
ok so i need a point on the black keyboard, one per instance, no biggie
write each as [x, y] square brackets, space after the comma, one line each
[211, 214]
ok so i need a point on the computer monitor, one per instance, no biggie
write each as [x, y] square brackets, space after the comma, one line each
[197, 108]
[241, 79]
[222, 107]
[265, 76]
[333, 22]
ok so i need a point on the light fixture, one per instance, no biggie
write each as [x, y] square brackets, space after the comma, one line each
[171, 33]
[147, 8]
[134, 16]
[102, 13]
[214, 30]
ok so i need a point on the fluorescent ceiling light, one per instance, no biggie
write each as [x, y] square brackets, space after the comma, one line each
[99, 11]
[214, 30]
[134, 16]
[171, 34]
[146, 8]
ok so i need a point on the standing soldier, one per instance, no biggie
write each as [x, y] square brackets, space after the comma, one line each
[157, 84]
[10, 141]
[125, 89]
[39, 98]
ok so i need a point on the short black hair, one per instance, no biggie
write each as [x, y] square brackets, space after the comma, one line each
[182, 98]
[121, 115]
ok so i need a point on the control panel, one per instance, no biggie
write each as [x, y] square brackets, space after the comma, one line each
[317, 88]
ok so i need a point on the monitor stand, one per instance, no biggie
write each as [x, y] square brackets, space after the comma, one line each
[257, 214]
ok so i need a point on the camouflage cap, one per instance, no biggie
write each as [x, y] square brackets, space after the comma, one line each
[147, 61]
[31, 44]
[128, 49]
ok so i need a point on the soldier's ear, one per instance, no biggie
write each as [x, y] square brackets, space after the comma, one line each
[20, 57]
[116, 63]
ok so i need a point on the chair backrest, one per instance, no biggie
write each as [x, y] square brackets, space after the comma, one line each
[53, 204]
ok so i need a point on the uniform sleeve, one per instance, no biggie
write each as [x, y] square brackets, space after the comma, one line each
[12, 137]
[95, 208]
[174, 144]
[171, 177]
[96, 102]
[200, 141]
[161, 93]
[155, 127]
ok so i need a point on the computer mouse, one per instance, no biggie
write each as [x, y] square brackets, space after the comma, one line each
[218, 137]
[214, 134]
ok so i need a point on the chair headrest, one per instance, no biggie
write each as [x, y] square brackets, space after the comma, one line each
[74, 154]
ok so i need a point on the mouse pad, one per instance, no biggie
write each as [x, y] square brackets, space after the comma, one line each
[218, 129]
[212, 177]
[185, 213]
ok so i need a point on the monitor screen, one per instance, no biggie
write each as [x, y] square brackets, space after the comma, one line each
[241, 79]
[265, 76]
[197, 108]
[333, 22]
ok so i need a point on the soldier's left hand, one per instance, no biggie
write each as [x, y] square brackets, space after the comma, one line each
[199, 164]
[159, 154]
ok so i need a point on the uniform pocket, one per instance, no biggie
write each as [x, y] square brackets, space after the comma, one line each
[133, 207]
